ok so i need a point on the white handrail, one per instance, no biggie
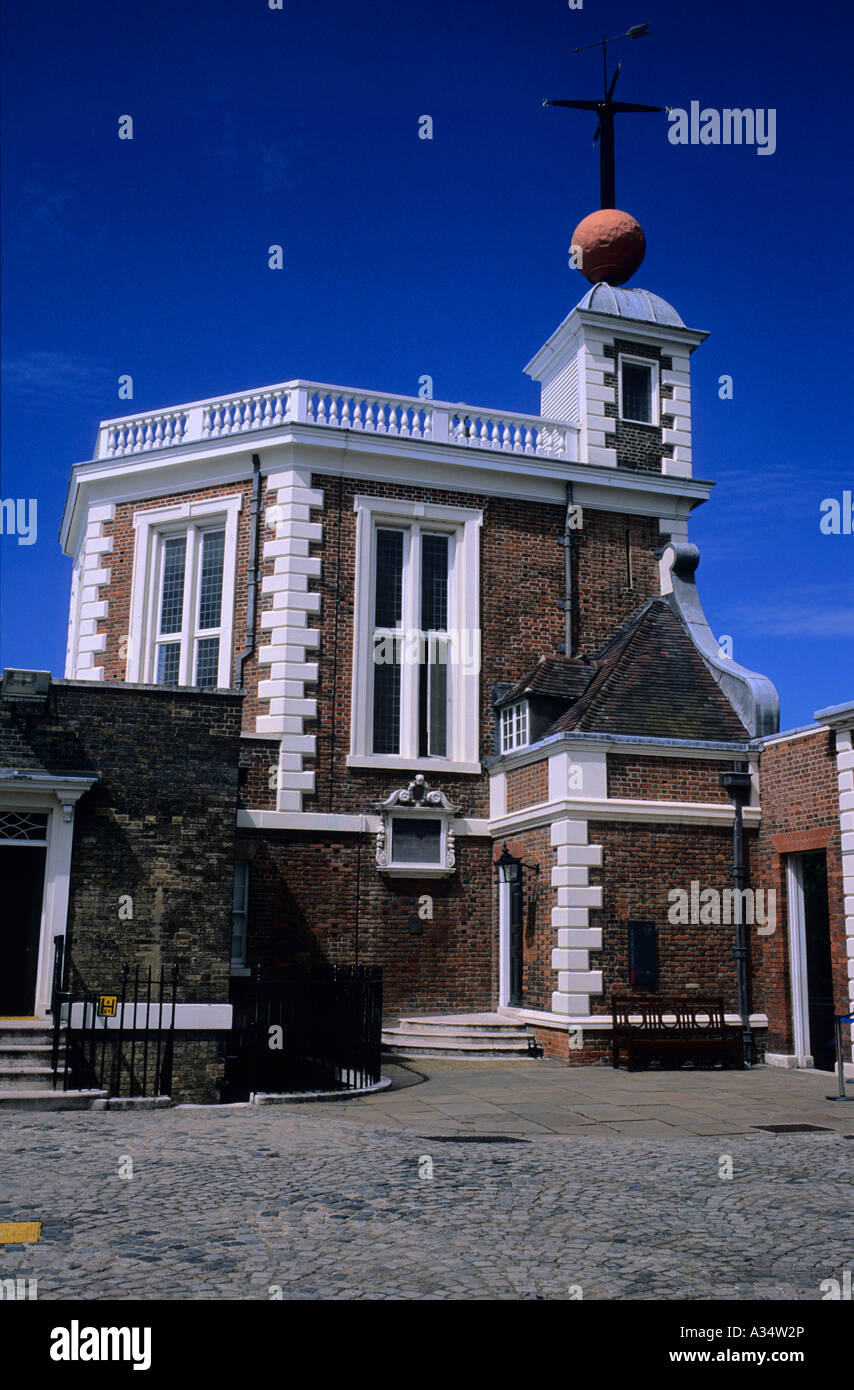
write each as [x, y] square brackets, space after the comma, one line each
[338, 407]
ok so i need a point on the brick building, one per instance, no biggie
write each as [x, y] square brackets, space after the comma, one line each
[454, 629]
[118, 830]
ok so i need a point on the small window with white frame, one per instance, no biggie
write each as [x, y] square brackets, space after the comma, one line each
[638, 388]
[514, 726]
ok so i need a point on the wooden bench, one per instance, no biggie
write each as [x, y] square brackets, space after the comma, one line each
[667, 1026]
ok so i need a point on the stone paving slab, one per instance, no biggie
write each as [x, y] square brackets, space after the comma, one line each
[343, 1201]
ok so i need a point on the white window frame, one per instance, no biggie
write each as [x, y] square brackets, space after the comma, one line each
[462, 525]
[653, 365]
[403, 867]
[220, 513]
[514, 717]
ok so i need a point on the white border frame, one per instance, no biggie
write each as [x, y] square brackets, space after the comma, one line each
[147, 526]
[798, 961]
[464, 601]
[655, 401]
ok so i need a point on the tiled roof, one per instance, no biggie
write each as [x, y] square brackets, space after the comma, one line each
[650, 680]
[562, 679]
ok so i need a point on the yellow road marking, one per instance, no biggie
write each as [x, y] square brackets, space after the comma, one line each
[19, 1232]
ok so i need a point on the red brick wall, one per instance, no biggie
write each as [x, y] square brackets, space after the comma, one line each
[799, 793]
[539, 938]
[641, 864]
[116, 626]
[522, 580]
[600, 590]
[665, 779]
[528, 785]
[256, 787]
[303, 891]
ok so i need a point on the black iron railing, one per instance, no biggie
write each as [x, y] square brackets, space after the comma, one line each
[122, 1043]
[319, 1033]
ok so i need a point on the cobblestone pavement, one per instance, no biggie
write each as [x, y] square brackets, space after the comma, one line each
[336, 1201]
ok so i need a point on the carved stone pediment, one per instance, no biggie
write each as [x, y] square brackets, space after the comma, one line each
[417, 797]
[411, 801]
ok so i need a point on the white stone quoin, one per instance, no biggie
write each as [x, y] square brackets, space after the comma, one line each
[292, 647]
[576, 982]
[845, 779]
[87, 608]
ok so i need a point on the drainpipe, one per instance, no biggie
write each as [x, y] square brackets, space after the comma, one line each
[737, 783]
[567, 602]
[252, 575]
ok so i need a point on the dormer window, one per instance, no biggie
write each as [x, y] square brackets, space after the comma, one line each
[514, 726]
[638, 390]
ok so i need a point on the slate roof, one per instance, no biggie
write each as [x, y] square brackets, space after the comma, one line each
[562, 679]
[650, 680]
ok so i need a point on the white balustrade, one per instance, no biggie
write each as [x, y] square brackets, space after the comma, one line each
[336, 407]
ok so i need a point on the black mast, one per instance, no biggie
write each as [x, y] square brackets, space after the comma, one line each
[606, 109]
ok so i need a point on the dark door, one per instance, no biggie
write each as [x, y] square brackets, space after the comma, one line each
[515, 943]
[21, 888]
[819, 973]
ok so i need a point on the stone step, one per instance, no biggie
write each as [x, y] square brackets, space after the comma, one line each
[460, 1030]
[24, 1078]
[471, 1035]
[25, 1031]
[48, 1100]
[13, 1057]
[467, 1050]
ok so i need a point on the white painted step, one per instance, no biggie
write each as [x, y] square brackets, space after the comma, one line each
[458, 1035]
[48, 1100]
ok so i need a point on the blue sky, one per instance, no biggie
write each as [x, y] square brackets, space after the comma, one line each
[448, 257]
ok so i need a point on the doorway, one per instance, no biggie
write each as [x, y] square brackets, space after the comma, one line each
[516, 947]
[811, 970]
[22, 869]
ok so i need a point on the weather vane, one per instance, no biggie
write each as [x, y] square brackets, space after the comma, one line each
[606, 109]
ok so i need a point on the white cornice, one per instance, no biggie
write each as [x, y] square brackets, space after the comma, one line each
[620, 809]
[329, 449]
[625, 745]
[316, 821]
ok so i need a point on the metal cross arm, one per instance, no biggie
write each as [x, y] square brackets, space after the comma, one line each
[606, 109]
